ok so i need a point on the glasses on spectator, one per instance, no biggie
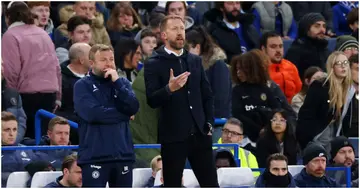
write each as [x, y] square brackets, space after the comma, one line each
[342, 63]
[233, 133]
[351, 49]
[278, 120]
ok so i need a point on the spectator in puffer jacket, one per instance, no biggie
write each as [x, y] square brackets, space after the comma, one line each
[325, 113]
[12, 161]
[311, 74]
[31, 68]
[57, 135]
[79, 32]
[340, 12]
[282, 72]
[73, 70]
[232, 29]
[217, 71]
[71, 177]
[347, 44]
[11, 102]
[353, 21]
[313, 175]
[276, 173]
[124, 22]
[42, 10]
[87, 9]
[343, 155]
[310, 47]
[275, 16]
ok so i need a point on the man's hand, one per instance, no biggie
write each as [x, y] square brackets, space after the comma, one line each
[111, 72]
[176, 83]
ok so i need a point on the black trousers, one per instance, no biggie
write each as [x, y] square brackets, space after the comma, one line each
[198, 149]
[31, 104]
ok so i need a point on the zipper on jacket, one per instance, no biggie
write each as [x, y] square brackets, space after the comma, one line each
[181, 67]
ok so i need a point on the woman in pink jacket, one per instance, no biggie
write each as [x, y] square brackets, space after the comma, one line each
[30, 64]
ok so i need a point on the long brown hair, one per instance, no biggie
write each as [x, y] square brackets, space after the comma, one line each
[113, 22]
[311, 71]
[252, 65]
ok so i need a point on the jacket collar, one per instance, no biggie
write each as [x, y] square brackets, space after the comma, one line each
[16, 24]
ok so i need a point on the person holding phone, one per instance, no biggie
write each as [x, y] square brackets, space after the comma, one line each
[104, 103]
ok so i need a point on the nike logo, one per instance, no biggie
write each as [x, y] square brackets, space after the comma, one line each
[243, 97]
[124, 172]
[53, 162]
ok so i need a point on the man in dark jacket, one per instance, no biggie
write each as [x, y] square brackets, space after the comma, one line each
[176, 83]
[310, 47]
[12, 161]
[71, 71]
[276, 173]
[231, 28]
[71, 177]
[57, 135]
[104, 103]
[343, 154]
[11, 102]
[324, 8]
[313, 175]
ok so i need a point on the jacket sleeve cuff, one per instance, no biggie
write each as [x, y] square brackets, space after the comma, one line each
[167, 88]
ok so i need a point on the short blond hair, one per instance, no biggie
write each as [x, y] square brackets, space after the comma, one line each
[164, 21]
[57, 120]
[98, 47]
[154, 161]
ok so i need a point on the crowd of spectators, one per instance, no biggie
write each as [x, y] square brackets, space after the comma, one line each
[283, 74]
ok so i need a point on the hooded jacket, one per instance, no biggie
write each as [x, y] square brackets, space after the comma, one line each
[98, 30]
[304, 180]
[68, 82]
[194, 102]
[227, 39]
[104, 108]
[286, 75]
[218, 74]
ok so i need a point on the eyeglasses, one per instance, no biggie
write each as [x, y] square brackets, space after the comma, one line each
[233, 133]
[344, 63]
[278, 120]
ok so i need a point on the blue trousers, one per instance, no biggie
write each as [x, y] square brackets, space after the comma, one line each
[118, 174]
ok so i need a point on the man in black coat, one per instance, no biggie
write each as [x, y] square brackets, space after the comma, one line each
[232, 29]
[310, 47]
[176, 83]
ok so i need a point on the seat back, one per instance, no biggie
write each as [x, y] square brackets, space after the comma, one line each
[189, 179]
[41, 179]
[235, 177]
[295, 169]
[141, 177]
[17, 180]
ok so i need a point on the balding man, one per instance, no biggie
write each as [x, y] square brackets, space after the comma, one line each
[72, 70]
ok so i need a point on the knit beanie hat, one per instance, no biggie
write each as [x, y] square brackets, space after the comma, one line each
[345, 41]
[338, 143]
[306, 21]
[313, 151]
